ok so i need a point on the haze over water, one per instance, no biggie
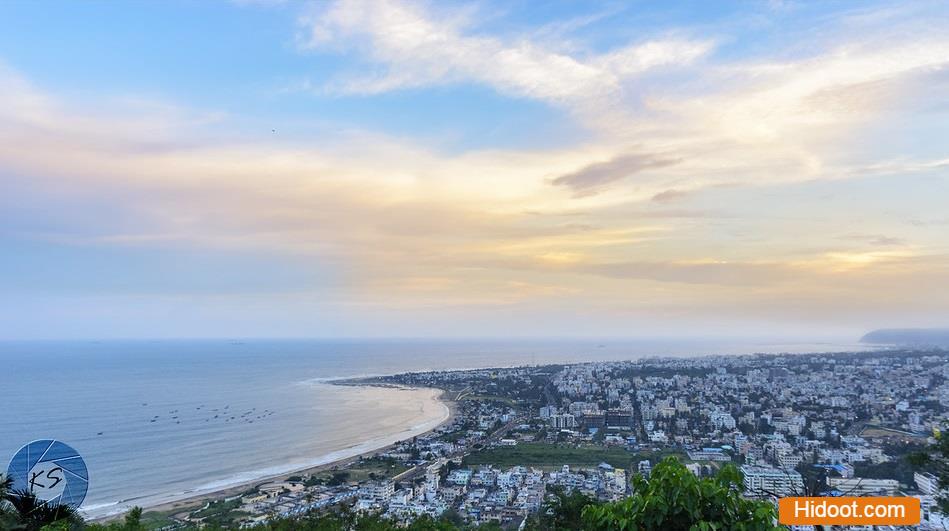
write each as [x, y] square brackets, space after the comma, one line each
[158, 420]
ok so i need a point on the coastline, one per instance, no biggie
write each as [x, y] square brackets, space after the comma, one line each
[198, 495]
[364, 449]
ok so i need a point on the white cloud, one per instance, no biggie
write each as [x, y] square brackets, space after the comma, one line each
[417, 49]
[747, 120]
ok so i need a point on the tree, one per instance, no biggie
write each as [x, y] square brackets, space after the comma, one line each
[562, 511]
[599, 436]
[446, 469]
[132, 522]
[453, 517]
[133, 519]
[7, 518]
[338, 478]
[673, 498]
[935, 460]
[32, 514]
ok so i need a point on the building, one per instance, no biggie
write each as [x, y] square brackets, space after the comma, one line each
[709, 454]
[927, 483]
[722, 420]
[864, 486]
[788, 461]
[645, 467]
[459, 477]
[566, 420]
[765, 481]
[594, 420]
[658, 436]
[374, 495]
[619, 418]
[582, 408]
[619, 480]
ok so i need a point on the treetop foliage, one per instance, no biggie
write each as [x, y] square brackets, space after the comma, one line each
[674, 498]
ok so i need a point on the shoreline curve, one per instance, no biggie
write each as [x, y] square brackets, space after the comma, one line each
[231, 487]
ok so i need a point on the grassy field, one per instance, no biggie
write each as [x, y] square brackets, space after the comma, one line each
[160, 519]
[221, 513]
[375, 468]
[492, 398]
[545, 455]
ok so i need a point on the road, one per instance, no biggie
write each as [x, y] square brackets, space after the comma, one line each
[496, 435]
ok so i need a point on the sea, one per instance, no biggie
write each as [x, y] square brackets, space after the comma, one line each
[158, 421]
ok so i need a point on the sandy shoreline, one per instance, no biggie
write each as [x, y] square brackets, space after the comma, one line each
[190, 501]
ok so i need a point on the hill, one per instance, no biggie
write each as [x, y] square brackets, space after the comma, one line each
[938, 337]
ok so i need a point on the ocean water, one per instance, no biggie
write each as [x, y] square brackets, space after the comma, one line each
[161, 420]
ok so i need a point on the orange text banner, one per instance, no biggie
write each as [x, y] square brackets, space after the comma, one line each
[849, 510]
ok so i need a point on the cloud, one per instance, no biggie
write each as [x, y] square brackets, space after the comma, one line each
[416, 48]
[744, 121]
[666, 196]
[720, 273]
[594, 178]
[900, 167]
[876, 240]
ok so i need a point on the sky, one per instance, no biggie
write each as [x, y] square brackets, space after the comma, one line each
[350, 168]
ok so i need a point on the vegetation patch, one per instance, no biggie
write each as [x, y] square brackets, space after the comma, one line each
[367, 469]
[544, 455]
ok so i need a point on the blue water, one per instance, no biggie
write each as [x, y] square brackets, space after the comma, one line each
[142, 413]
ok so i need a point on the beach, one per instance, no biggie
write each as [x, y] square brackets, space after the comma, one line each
[436, 399]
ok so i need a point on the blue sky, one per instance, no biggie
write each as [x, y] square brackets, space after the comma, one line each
[243, 60]
[383, 168]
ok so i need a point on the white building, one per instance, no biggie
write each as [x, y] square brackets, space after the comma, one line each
[764, 481]
[722, 420]
[927, 483]
[377, 492]
[566, 420]
[645, 468]
[864, 486]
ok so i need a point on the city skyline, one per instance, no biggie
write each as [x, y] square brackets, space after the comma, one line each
[370, 169]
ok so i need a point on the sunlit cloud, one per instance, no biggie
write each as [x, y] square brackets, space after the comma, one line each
[674, 200]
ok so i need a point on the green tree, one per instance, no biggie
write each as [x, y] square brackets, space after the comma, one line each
[338, 478]
[133, 519]
[7, 517]
[935, 460]
[673, 498]
[31, 513]
[562, 511]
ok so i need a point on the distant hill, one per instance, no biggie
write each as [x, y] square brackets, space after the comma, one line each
[909, 336]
